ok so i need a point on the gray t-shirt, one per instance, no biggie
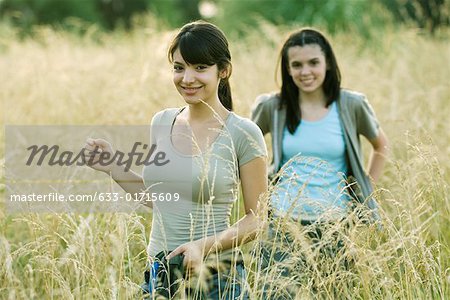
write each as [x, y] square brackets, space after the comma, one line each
[208, 184]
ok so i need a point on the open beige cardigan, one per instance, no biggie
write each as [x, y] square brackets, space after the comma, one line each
[357, 118]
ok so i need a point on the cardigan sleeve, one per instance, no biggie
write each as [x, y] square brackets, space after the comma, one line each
[367, 123]
[261, 114]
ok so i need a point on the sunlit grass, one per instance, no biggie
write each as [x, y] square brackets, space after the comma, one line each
[125, 78]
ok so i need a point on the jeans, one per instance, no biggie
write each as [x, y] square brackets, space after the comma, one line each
[224, 285]
[283, 255]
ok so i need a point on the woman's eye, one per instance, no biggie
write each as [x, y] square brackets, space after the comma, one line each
[177, 68]
[201, 67]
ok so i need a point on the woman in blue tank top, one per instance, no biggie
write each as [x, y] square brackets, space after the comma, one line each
[315, 127]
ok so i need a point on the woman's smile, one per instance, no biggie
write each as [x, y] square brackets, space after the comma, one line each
[190, 90]
[307, 81]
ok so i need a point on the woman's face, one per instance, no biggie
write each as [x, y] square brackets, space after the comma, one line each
[307, 67]
[195, 82]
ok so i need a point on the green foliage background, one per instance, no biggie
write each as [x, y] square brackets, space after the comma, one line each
[232, 15]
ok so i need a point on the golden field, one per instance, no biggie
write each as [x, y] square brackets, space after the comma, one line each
[124, 78]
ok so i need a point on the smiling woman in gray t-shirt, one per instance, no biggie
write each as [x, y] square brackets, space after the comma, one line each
[205, 184]
[211, 152]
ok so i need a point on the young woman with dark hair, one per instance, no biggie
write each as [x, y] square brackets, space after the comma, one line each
[315, 126]
[214, 160]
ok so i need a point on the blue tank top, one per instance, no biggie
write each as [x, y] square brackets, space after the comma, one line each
[312, 184]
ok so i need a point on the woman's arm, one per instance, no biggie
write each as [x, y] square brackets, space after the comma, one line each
[130, 182]
[254, 184]
[378, 156]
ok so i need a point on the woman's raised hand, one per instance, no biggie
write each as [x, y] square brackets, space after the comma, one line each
[99, 155]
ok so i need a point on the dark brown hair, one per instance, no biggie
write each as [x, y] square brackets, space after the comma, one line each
[289, 93]
[201, 42]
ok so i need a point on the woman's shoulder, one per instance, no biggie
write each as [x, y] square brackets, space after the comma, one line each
[263, 108]
[165, 116]
[267, 99]
[355, 105]
[243, 130]
[352, 97]
[241, 123]
[247, 137]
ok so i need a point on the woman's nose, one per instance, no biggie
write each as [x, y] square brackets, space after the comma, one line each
[305, 70]
[188, 76]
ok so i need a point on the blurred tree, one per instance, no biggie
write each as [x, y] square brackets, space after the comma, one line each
[107, 13]
[233, 15]
[190, 9]
[427, 14]
[332, 15]
[176, 12]
[114, 12]
[26, 13]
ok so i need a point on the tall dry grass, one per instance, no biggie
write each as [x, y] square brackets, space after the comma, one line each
[57, 78]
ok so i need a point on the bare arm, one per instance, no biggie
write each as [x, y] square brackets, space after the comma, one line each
[378, 156]
[254, 185]
[130, 182]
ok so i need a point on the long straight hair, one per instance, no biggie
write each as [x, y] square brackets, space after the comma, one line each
[201, 42]
[289, 93]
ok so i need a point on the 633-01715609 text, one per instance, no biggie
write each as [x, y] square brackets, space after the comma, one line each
[138, 197]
